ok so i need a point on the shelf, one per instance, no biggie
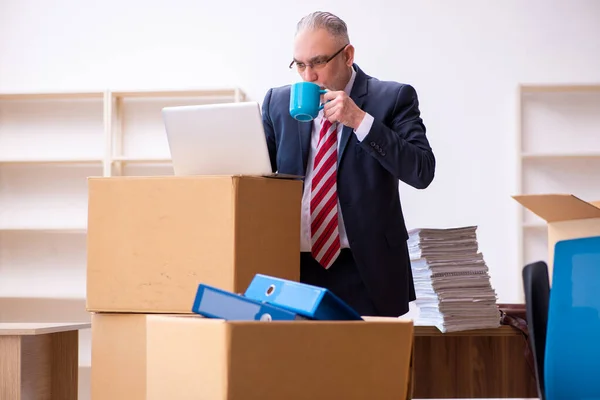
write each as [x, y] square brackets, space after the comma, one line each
[207, 92]
[58, 95]
[42, 297]
[578, 176]
[50, 161]
[537, 246]
[44, 196]
[559, 156]
[50, 143]
[75, 127]
[559, 88]
[559, 152]
[139, 126]
[42, 228]
[136, 160]
[228, 93]
[37, 265]
[47, 127]
[560, 123]
[147, 170]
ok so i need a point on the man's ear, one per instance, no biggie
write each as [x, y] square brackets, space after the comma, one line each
[349, 55]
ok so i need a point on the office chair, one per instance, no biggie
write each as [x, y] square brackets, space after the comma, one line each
[537, 292]
[572, 357]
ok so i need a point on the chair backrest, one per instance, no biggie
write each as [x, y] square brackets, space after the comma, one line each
[536, 286]
[572, 359]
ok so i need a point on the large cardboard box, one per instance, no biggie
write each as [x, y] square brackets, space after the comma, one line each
[152, 240]
[190, 357]
[118, 356]
[567, 216]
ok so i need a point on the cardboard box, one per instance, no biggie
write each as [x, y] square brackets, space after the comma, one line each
[568, 217]
[190, 357]
[118, 357]
[152, 240]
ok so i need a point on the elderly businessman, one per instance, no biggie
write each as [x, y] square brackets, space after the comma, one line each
[368, 137]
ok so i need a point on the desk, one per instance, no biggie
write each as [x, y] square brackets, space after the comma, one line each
[486, 363]
[39, 360]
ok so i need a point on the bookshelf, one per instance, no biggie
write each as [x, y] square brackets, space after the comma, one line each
[50, 143]
[558, 148]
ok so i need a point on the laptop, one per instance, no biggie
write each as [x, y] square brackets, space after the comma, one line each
[217, 139]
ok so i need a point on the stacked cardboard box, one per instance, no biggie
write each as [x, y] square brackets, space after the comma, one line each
[152, 240]
[567, 217]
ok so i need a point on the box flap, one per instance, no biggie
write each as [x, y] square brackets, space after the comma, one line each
[277, 175]
[276, 360]
[558, 207]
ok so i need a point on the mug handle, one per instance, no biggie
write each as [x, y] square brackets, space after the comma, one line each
[322, 91]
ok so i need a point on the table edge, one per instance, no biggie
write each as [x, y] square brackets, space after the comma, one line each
[31, 330]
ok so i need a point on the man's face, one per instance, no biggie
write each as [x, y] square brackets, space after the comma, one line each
[314, 47]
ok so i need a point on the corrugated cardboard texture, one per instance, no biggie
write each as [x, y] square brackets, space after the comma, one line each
[188, 363]
[558, 207]
[194, 358]
[267, 229]
[411, 375]
[152, 240]
[568, 217]
[118, 357]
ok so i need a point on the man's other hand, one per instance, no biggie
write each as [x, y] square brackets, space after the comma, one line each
[339, 107]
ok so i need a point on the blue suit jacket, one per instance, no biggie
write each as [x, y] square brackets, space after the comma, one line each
[396, 149]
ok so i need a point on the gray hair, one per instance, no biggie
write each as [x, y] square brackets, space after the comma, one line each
[325, 20]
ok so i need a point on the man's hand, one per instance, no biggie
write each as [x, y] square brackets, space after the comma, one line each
[339, 107]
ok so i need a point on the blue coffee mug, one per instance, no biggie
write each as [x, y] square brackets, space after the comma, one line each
[305, 101]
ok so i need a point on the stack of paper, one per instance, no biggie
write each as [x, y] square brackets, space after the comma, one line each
[451, 278]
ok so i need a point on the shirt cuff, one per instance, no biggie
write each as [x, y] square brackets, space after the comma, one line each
[364, 128]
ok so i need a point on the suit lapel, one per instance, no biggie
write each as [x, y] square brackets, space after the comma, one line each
[304, 132]
[357, 94]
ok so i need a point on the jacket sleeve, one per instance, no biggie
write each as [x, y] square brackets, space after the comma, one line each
[402, 148]
[269, 131]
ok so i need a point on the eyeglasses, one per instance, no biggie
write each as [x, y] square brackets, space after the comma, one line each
[318, 63]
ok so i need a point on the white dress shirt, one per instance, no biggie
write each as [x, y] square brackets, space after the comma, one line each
[362, 131]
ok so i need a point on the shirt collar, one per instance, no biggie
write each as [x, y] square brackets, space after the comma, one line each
[350, 83]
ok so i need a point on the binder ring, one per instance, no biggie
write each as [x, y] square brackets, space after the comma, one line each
[266, 317]
[270, 290]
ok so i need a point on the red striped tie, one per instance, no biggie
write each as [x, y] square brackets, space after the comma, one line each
[325, 237]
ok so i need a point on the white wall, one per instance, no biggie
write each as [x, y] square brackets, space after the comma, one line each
[464, 57]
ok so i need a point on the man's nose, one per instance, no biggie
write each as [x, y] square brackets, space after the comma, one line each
[309, 75]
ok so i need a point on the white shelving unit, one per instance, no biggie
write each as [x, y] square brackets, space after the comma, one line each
[558, 144]
[50, 143]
